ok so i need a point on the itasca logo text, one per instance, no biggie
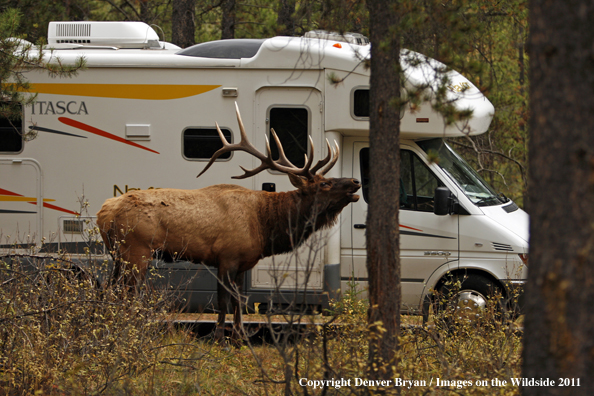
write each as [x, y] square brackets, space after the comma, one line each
[61, 107]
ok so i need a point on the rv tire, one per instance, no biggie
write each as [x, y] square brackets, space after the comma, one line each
[468, 299]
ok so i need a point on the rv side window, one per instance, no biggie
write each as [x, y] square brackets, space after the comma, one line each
[360, 103]
[11, 138]
[291, 124]
[417, 182]
[202, 143]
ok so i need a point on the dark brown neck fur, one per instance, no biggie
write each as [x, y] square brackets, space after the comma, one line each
[290, 218]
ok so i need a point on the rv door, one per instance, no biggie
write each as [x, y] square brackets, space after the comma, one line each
[21, 202]
[294, 113]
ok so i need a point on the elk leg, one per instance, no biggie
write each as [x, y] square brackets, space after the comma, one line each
[224, 290]
[238, 334]
[133, 265]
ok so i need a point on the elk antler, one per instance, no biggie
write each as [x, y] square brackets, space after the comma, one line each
[329, 161]
[282, 164]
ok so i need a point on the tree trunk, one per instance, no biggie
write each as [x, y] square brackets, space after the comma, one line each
[559, 323]
[285, 24]
[228, 21]
[183, 24]
[383, 248]
[145, 12]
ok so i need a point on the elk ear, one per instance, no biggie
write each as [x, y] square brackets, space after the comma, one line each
[298, 181]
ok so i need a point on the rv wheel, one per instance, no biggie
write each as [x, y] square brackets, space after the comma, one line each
[468, 299]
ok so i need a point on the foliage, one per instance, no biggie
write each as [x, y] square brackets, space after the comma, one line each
[483, 40]
[60, 334]
[16, 58]
[61, 330]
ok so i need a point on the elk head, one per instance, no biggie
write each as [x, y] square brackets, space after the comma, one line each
[329, 195]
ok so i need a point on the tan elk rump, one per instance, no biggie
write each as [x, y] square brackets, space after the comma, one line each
[225, 226]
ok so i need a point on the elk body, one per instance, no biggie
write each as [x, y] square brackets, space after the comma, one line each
[224, 226]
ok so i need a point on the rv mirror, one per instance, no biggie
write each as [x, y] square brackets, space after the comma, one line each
[442, 201]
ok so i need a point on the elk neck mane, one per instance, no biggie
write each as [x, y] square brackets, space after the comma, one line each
[289, 218]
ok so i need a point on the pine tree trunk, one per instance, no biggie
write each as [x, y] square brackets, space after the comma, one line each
[285, 22]
[183, 22]
[383, 248]
[145, 12]
[228, 22]
[559, 323]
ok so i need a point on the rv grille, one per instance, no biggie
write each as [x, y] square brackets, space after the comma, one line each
[73, 226]
[502, 247]
[73, 30]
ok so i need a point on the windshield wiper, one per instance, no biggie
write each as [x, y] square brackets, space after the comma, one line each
[503, 198]
[485, 200]
[500, 198]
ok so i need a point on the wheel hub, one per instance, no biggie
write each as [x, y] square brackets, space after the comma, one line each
[470, 305]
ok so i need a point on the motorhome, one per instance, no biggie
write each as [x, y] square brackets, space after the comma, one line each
[142, 115]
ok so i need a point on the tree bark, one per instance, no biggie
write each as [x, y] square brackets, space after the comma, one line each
[183, 22]
[559, 323]
[285, 24]
[383, 247]
[145, 12]
[228, 21]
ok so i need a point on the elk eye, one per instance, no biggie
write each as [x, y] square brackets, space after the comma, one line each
[324, 184]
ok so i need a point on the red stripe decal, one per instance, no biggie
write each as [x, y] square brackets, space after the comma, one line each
[54, 207]
[6, 192]
[45, 205]
[96, 131]
[410, 228]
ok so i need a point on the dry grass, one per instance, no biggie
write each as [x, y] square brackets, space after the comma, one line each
[60, 334]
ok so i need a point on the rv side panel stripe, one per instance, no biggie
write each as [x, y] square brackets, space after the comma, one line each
[41, 129]
[99, 132]
[16, 198]
[123, 91]
[45, 205]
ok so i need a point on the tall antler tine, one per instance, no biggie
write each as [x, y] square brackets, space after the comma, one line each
[309, 159]
[282, 158]
[221, 135]
[324, 161]
[226, 148]
[241, 126]
[268, 150]
[335, 154]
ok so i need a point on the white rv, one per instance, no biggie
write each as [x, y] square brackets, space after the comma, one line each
[142, 115]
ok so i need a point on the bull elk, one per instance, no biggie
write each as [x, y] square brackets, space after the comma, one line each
[225, 226]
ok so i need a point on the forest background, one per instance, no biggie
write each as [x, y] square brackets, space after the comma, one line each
[482, 39]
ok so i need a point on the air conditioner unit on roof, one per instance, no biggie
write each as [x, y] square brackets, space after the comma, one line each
[112, 34]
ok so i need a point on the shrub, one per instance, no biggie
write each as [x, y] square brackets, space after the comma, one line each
[60, 329]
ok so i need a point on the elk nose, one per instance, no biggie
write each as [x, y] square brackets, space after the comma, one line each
[356, 182]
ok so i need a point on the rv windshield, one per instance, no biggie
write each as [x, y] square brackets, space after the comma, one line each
[478, 190]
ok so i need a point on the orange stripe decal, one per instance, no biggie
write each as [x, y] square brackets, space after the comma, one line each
[122, 91]
[15, 198]
[99, 132]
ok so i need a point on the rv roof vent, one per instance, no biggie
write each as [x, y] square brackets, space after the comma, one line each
[347, 37]
[110, 34]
